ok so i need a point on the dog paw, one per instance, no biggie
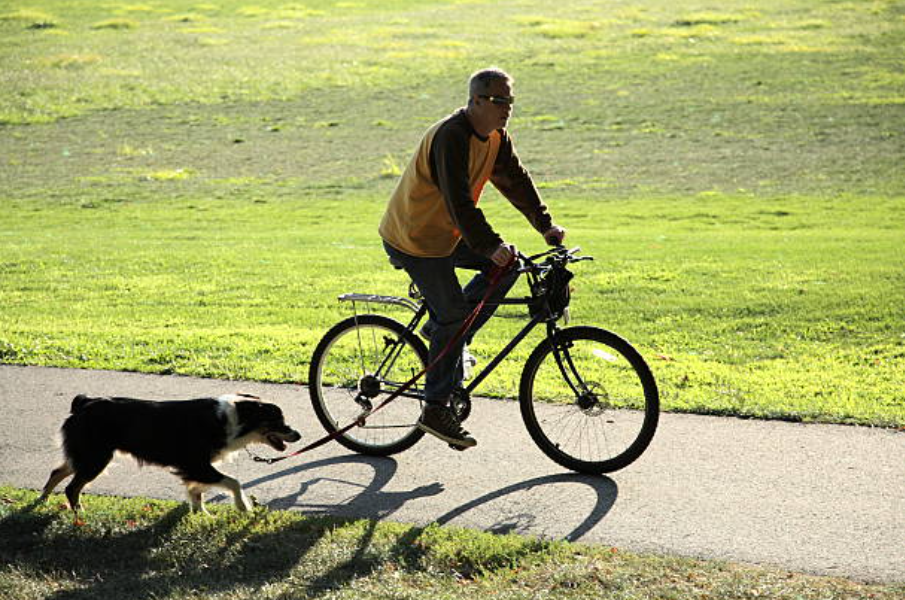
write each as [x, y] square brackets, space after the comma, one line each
[198, 509]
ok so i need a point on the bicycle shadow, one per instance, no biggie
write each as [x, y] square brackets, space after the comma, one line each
[372, 501]
[368, 500]
[605, 489]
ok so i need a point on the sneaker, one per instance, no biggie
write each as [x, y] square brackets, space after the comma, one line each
[439, 421]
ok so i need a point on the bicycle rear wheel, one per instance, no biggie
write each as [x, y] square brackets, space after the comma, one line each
[356, 365]
[589, 400]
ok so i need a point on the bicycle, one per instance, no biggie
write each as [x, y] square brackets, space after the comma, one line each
[587, 397]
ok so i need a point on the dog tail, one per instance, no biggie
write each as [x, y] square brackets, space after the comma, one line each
[80, 402]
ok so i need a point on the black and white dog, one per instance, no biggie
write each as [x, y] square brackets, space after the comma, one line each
[186, 435]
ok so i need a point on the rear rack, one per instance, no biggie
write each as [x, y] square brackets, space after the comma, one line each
[378, 299]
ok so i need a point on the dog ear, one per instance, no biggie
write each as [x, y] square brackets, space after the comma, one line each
[270, 412]
[251, 410]
[80, 402]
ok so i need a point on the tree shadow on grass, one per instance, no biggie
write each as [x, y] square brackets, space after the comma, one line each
[161, 559]
[85, 554]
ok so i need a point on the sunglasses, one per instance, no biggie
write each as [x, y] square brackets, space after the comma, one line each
[499, 100]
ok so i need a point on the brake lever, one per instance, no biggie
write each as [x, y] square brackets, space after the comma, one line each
[524, 263]
[531, 259]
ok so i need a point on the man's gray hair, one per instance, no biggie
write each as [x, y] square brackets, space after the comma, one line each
[480, 81]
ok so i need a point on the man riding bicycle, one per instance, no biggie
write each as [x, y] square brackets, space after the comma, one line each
[432, 226]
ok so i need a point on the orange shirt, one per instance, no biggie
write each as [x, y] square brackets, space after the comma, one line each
[435, 201]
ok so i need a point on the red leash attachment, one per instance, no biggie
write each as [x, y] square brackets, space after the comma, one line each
[495, 276]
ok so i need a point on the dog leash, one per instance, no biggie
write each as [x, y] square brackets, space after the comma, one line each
[496, 276]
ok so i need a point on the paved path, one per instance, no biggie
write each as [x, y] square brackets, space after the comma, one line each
[812, 498]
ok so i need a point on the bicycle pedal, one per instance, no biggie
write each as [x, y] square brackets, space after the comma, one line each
[362, 419]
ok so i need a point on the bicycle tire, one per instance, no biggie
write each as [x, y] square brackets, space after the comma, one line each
[350, 351]
[610, 421]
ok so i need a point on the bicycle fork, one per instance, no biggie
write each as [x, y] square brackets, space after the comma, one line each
[583, 395]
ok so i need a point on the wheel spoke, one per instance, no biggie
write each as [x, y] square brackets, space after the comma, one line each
[589, 401]
[361, 361]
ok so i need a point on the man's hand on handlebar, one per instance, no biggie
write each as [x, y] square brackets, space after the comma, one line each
[503, 255]
[555, 236]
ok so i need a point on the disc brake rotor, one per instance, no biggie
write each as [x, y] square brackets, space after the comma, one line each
[594, 401]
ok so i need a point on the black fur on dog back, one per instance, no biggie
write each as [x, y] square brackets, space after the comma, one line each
[166, 434]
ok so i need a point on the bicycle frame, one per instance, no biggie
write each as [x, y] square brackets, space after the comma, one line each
[566, 366]
[502, 354]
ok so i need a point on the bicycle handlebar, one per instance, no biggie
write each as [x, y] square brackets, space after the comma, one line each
[529, 263]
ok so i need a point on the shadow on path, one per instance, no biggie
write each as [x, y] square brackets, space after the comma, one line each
[371, 501]
[605, 489]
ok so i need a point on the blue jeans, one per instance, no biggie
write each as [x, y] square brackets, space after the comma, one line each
[449, 306]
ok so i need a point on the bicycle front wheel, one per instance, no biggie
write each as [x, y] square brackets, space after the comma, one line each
[589, 400]
[357, 364]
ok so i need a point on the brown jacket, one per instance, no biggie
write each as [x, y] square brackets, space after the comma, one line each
[435, 202]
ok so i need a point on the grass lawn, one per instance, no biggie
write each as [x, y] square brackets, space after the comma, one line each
[138, 548]
[187, 189]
